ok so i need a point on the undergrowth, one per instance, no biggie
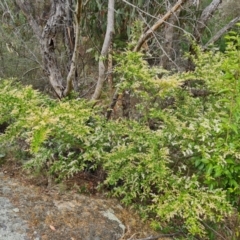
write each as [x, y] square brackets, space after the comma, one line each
[186, 170]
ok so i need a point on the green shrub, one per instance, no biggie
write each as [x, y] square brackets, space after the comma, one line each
[204, 131]
[183, 172]
[138, 171]
[59, 134]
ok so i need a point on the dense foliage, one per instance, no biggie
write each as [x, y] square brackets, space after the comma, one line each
[185, 168]
[68, 137]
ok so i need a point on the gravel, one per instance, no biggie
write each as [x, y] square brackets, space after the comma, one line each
[12, 227]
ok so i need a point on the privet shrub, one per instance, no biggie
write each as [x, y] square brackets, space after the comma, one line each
[184, 170]
[200, 124]
[138, 171]
[69, 137]
[203, 130]
[58, 133]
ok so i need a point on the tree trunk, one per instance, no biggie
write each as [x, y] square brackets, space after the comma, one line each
[104, 52]
[48, 46]
[69, 36]
[72, 71]
[47, 40]
[110, 68]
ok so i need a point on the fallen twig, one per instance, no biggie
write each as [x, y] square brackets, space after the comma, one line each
[159, 236]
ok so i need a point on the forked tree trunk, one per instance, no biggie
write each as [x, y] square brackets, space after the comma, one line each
[47, 40]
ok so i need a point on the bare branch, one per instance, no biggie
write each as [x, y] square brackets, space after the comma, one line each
[27, 10]
[149, 33]
[205, 16]
[222, 31]
[138, 9]
[84, 4]
[158, 42]
[213, 230]
[32, 69]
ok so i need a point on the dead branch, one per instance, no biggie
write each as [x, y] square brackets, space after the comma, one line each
[205, 16]
[25, 6]
[149, 33]
[221, 32]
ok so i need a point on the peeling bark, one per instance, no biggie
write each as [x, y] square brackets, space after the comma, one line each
[48, 45]
[47, 40]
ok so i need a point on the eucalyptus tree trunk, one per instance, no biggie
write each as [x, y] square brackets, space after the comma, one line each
[104, 52]
[72, 71]
[47, 38]
[48, 46]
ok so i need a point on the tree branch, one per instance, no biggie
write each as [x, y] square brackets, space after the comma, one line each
[27, 10]
[149, 33]
[221, 32]
[205, 16]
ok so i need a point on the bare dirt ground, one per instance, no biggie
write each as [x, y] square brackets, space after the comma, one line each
[61, 212]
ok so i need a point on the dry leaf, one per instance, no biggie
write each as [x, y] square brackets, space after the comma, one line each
[52, 227]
